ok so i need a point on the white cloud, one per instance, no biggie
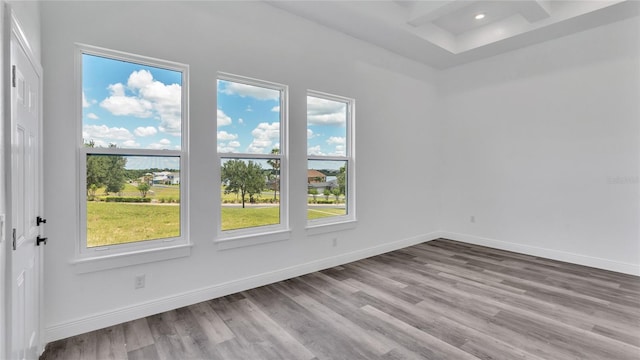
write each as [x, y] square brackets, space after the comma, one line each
[315, 150]
[336, 140]
[240, 121]
[340, 151]
[231, 146]
[166, 100]
[92, 116]
[309, 133]
[275, 109]
[122, 105]
[160, 145]
[243, 90]
[340, 143]
[130, 144]
[225, 136]
[157, 146]
[223, 119]
[140, 79]
[263, 138]
[85, 103]
[145, 131]
[105, 133]
[98, 142]
[148, 97]
[325, 112]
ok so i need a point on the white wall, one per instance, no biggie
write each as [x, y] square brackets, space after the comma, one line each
[398, 145]
[542, 146]
[3, 195]
[28, 15]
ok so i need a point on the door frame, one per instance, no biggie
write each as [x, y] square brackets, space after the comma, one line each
[13, 31]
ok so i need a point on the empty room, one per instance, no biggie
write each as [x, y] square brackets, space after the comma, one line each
[320, 179]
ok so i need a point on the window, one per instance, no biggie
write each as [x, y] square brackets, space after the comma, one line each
[251, 134]
[330, 168]
[132, 151]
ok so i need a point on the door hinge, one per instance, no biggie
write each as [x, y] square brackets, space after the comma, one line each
[13, 76]
[14, 238]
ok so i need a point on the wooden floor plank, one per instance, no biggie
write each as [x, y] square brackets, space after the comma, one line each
[137, 334]
[438, 300]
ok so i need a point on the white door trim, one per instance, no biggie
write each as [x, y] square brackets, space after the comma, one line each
[13, 31]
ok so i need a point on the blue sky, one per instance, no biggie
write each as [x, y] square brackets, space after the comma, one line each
[326, 127]
[248, 118]
[130, 105]
[249, 121]
[139, 106]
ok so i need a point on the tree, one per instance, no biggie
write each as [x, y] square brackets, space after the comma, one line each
[114, 167]
[342, 180]
[143, 187]
[336, 192]
[105, 170]
[275, 164]
[326, 194]
[313, 192]
[148, 178]
[96, 174]
[242, 177]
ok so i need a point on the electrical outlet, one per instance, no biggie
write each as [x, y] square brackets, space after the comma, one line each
[335, 242]
[138, 281]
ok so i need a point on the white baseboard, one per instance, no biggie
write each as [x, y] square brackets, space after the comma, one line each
[600, 263]
[136, 311]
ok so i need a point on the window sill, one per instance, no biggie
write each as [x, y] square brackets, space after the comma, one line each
[112, 261]
[232, 242]
[327, 227]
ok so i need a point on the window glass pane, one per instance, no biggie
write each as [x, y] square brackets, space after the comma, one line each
[132, 198]
[326, 189]
[326, 127]
[250, 193]
[248, 118]
[130, 105]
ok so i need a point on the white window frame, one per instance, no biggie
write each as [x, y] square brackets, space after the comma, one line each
[349, 220]
[228, 239]
[105, 257]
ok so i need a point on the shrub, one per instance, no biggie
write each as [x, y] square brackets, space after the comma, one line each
[324, 202]
[126, 199]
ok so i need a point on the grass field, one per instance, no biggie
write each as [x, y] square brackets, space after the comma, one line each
[120, 223]
[170, 193]
[322, 212]
[235, 217]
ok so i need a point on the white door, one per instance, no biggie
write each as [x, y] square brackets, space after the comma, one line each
[26, 203]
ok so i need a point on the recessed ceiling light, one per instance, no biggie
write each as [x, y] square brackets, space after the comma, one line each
[480, 16]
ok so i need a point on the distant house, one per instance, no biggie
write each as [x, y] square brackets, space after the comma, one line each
[315, 176]
[317, 180]
[166, 178]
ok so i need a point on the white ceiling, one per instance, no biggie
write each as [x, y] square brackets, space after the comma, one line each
[445, 33]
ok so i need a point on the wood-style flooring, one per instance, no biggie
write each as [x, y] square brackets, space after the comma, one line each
[438, 300]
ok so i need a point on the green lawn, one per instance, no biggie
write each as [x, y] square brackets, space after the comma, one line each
[165, 193]
[235, 217]
[119, 223]
[322, 212]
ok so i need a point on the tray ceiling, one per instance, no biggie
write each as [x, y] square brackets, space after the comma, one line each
[446, 33]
